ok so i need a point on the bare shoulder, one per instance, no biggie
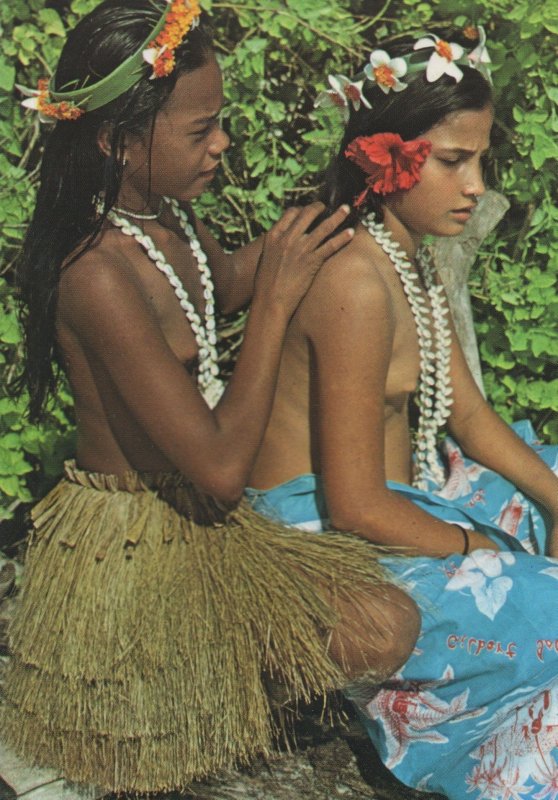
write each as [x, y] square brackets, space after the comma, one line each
[351, 281]
[98, 280]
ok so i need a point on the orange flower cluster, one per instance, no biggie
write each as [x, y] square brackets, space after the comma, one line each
[471, 32]
[178, 22]
[63, 110]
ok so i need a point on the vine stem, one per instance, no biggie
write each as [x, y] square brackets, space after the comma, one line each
[368, 22]
[237, 8]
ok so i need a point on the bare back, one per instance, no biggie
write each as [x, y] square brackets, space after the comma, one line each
[355, 306]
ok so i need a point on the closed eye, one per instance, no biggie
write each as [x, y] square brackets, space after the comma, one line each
[200, 134]
[454, 160]
[207, 127]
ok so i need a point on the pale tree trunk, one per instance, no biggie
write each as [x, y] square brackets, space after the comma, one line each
[454, 256]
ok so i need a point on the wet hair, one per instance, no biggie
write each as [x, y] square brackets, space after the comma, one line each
[75, 173]
[410, 113]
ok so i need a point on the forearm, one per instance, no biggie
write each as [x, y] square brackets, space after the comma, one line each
[244, 410]
[385, 517]
[486, 438]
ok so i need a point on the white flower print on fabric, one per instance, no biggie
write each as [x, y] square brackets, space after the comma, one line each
[551, 571]
[481, 572]
[512, 513]
[410, 713]
[461, 477]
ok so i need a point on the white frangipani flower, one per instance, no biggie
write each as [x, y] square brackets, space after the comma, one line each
[442, 61]
[479, 57]
[385, 71]
[343, 90]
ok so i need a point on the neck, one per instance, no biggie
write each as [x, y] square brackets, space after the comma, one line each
[408, 240]
[133, 201]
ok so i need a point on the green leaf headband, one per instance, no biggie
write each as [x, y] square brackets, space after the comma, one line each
[157, 50]
[387, 72]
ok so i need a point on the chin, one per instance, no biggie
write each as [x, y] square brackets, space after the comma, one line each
[451, 229]
[188, 195]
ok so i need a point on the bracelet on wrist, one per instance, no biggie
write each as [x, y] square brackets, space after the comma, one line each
[466, 539]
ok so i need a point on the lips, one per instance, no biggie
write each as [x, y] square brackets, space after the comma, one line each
[462, 215]
[209, 173]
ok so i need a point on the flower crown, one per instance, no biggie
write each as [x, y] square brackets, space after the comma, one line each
[157, 51]
[387, 72]
[389, 163]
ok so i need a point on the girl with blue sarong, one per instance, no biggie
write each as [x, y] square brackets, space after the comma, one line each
[474, 711]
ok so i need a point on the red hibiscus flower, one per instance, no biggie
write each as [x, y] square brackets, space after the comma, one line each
[389, 162]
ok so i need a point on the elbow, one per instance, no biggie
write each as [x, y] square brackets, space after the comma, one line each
[346, 519]
[225, 484]
[353, 518]
[230, 495]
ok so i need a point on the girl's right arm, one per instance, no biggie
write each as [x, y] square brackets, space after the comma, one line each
[106, 310]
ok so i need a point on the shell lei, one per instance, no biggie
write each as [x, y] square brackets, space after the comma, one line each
[434, 393]
[209, 383]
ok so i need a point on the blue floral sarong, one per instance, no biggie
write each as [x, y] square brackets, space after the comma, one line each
[474, 711]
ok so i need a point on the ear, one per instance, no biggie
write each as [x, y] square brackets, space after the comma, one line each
[104, 142]
[104, 137]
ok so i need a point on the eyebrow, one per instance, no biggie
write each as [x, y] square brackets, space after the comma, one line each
[462, 151]
[205, 120]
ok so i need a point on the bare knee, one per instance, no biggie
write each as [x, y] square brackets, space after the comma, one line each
[402, 623]
[377, 631]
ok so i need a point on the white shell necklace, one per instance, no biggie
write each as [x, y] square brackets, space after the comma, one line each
[434, 394]
[209, 383]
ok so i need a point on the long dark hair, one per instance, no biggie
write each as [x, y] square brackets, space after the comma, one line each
[410, 113]
[75, 174]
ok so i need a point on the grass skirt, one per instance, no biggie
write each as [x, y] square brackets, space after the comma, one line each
[148, 619]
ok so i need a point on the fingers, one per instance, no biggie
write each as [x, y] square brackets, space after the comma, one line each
[296, 221]
[328, 226]
[305, 217]
[334, 244]
[283, 224]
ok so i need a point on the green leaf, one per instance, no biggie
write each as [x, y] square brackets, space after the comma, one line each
[51, 23]
[9, 485]
[7, 76]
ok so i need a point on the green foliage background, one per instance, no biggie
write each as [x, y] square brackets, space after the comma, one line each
[276, 54]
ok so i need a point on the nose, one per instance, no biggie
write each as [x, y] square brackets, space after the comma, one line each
[474, 185]
[219, 143]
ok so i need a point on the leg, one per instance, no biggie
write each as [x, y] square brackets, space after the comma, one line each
[377, 632]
